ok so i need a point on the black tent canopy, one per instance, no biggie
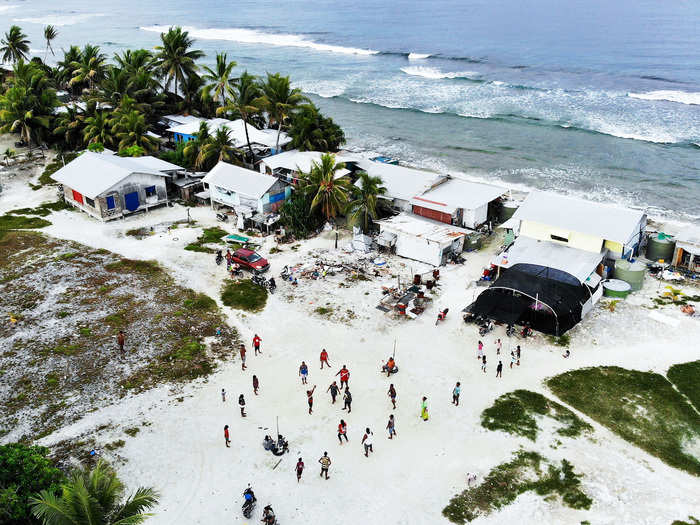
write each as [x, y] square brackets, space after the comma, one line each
[549, 300]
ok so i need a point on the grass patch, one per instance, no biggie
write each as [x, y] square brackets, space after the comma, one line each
[114, 445]
[65, 349]
[208, 236]
[53, 167]
[43, 209]
[562, 340]
[132, 431]
[66, 256]
[641, 407]
[527, 471]
[515, 413]
[244, 295]
[21, 222]
[275, 250]
[200, 302]
[116, 320]
[324, 310]
[143, 267]
[686, 377]
[691, 521]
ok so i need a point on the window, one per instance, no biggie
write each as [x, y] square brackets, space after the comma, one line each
[89, 202]
[150, 191]
[558, 238]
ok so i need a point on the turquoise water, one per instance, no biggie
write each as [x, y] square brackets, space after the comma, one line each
[593, 98]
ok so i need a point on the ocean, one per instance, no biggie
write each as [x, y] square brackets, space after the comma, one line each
[592, 98]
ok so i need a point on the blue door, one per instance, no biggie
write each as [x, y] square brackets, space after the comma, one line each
[131, 201]
[110, 202]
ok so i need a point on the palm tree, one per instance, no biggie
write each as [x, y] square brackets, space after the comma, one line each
[219, 147]
[50, 33]
[279, 99]
[194, 146]
[91, 67]
[217, 81]
[191, 94]
[245, 95]
[98, 128]
[130, 129]
[69, 126]
[363, 204]
[133, 60]
[175, 60]
[311, 131]
[93, 497]
[66, 69]
[328, 193]
[15, 45]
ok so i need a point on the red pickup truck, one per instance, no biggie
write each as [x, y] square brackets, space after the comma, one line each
[250, 260]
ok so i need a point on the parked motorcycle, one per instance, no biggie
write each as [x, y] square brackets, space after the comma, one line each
[510, 330]
[219, 258]
[486, 327]
[222, 217]
[249, 503]
[259, 280]
[271, 285]
[285, 274]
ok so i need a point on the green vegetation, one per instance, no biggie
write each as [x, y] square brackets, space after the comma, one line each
[53, 167]
[641, 407]
[200, 301]
[132, 431]
[20, 222]
[151, 268]
[691, 521]
[514, 413]
[94, 496]
[311, 131]
[562, 340]
[114, 445]
[208, 236]
[244, 295]
[42, 210]
[323, 310]
[527, 471]
[686, 378]
[24, 471]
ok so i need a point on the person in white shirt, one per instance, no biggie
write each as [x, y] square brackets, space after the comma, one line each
[367, 441]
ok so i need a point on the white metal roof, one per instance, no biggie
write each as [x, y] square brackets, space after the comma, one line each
[93, 173]
[457, 193]
[239, 180]
[300, 161]
[578, 263]
[413, 225]
[158, 164]
[690, 235]
[593, 218]
[266, 137]
[181, 119]
[401, 182]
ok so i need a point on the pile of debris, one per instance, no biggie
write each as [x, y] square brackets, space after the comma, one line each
[410, 299]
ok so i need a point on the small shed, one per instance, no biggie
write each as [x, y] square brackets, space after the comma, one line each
[459, 202]
[421, 239]
[687, 252]
[109, 187]
[233, 186]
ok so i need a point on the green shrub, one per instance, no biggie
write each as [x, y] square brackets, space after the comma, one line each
[244, 295]
[20, 222]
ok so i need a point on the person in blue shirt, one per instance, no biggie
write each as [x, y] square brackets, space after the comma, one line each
[455, 394]
[303, 372]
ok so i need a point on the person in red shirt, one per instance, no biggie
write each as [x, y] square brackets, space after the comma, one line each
[299, 468]
[226, 438]
[310, 397]
[344, 374]
[256, 344]
[243, 351]
[324, 358]
[342, 432]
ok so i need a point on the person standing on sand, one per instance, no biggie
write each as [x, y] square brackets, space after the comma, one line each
[310, 398]
[241, 403]
[344, 374]
[483, 363]
[324, 359]
[256, 344]
[121, 338]
[325, 462]
[424, 409]
[390, 426]
[512, 358]
[517, 354]
[226, 437]
[499, 369]
[342, 431]
[367, 442]
[223, 395]
[480, 353]
[243, 351]
[455, 394]
[392, 395]
[303, 372]
[299, 469]
[347, 398]
[498, 347]
[256, 384]
[333, 389]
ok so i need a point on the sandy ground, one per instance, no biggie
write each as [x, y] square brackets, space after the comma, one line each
[407, 480]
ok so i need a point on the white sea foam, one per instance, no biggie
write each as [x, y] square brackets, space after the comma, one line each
[434, 73]
[4, 8]
[60, 20]
[418, 56]
[682, 97]
[251, 36]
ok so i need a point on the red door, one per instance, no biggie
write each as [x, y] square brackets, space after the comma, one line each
[77, 197]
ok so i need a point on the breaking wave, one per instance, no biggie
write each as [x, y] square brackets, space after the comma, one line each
[60, 20]
[682, 97]
[252, 36]
[418, 56]
[434, 73]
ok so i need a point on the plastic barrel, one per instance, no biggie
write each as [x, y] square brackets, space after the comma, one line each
[631, 273]
[507, 210]
[616, 288]
[660, 247]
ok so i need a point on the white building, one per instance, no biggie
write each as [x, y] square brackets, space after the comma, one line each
[289, 164]
[109, 186]
[421, 239]
[687, 251]
[459, 202]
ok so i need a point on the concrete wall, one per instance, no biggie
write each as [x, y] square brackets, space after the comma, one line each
[543, 232]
